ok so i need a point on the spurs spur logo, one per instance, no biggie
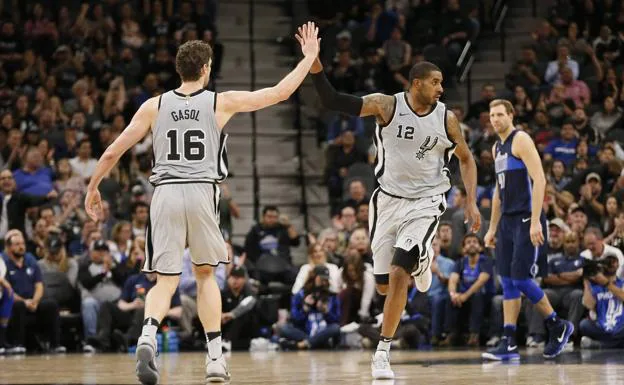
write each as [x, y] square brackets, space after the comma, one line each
[427, 145]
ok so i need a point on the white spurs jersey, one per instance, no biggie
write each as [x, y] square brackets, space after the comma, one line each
[413, 151]
[188, 144]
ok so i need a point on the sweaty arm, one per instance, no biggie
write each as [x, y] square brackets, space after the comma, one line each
[524, 148]
[231, 102]
[137, 129]
[378, 105]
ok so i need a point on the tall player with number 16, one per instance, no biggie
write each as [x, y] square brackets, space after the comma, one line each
[190, 160]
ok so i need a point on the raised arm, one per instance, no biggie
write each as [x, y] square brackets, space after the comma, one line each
[378, 105]
[524, 148]
[468, 169]
[137, 129]
[231, 102]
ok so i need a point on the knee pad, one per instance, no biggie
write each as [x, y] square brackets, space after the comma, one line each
[510, 291]
[530, 289]
[407, 259]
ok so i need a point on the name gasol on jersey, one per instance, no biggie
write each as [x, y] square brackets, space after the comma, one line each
[185, 115]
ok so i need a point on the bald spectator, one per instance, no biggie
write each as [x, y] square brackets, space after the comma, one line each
[357, 194]
[597, 249]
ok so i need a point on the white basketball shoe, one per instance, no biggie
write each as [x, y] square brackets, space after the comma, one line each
[146, 368]
[216, 370]
[380, 366]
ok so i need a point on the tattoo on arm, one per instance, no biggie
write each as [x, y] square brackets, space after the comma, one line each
[453, 128]
[380, 106]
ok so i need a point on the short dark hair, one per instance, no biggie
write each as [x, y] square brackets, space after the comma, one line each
[471, 235]
[191, 58]
[268, 208]
[83, 141]
[136, 205]
[422, 70]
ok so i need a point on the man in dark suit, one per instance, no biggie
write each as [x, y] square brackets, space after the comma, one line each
[13, 204]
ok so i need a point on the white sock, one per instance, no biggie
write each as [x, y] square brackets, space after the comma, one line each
[150, 328]
[384, 344]
[214, 345]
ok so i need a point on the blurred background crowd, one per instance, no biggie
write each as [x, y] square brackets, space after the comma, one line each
[72, 75]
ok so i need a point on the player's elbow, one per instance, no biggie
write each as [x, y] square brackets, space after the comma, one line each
[280, 94]
[109, 155]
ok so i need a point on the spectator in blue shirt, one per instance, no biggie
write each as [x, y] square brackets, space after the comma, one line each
[563, 148]
[441, 268]
[31, 312]
[343, 123]
[34, 178]
[563, 287]
[471, 287]
[604, 294]
[123, 320]
[315, 314]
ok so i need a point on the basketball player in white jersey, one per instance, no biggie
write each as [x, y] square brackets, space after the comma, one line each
[190, 159]
[415, 137]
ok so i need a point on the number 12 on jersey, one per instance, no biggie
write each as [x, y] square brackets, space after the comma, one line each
[193, 148]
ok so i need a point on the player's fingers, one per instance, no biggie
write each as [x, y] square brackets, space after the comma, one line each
[299, 39]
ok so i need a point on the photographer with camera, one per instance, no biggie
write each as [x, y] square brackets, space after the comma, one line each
[603, 295]
[100, 285]
[315, 314]
[597, 249]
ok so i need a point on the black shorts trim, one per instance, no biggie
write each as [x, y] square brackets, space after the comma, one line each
[161, 273]
[382, 279]
[184, 181]
[393, 195]
[149, 245]
[210, 264]
[375, 214]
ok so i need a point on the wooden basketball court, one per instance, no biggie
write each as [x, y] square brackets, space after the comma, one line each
[342, 367]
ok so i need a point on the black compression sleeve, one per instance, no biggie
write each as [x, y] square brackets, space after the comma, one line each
[334, 100]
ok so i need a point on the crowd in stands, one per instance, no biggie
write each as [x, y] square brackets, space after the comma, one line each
[72, 76]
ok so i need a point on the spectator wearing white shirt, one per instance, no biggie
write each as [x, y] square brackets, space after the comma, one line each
[553, 71]
[84, 164]
[596, 249]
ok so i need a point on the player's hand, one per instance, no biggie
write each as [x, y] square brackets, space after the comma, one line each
[317, 66]
[226, 317]
[138, 303]
[490, 239]
[472, 216]
[307, 36]
[537, 235]
[93, 204]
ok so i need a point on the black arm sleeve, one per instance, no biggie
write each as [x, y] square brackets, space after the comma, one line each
[334, 100]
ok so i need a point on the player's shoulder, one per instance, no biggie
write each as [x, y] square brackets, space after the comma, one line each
[152, 104]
